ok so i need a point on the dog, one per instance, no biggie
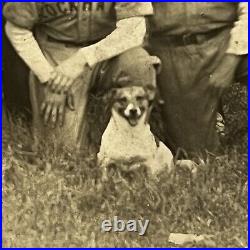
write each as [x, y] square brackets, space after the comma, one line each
[127, 140]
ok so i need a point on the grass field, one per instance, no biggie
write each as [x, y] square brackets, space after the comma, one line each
[60, 201]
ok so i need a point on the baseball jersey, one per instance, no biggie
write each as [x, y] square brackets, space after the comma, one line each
[74, 21]
[176, 18]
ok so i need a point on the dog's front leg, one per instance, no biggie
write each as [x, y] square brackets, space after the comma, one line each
[104, 173]
[188, 164]
[104, 164]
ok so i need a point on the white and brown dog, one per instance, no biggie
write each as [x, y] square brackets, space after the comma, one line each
[127, 140]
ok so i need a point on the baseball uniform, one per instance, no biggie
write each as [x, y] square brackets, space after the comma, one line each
[191, 39]
[94, 31]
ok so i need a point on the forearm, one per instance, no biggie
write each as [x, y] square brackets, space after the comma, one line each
[238, 44]
[128, 34]
[28, 49]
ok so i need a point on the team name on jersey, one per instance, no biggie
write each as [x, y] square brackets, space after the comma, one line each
[59, 8]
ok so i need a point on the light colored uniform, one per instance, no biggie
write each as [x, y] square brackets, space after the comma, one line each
[61, 29]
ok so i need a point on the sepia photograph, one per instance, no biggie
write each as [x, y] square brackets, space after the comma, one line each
[124, 124]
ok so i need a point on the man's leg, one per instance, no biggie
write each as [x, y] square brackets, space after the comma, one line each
[72, 134]
[190, 103]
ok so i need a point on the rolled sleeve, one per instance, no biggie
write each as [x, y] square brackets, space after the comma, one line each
[132, 30]
[24, 15]
[238, 43]
[133, 9]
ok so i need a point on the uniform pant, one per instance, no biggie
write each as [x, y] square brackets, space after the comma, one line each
[73, 134]
[190, 103]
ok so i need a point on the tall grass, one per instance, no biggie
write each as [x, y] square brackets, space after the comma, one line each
[60, 200]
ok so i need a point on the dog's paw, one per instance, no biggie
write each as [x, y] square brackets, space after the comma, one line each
[104, 176]
[188, 164]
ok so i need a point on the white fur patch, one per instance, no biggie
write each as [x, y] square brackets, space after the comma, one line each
[121, 142]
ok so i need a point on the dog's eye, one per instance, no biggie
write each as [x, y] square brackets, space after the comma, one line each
[140, 98]
[122, 99]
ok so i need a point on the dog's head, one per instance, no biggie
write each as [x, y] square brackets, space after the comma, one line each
[132, 102]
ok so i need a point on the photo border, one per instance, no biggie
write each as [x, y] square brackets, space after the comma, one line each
[1, 118]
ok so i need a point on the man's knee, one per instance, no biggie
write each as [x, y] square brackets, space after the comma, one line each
[137, 54]
[137, 66]
[134, 67]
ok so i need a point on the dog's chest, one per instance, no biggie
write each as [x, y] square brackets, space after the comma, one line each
[122, 142]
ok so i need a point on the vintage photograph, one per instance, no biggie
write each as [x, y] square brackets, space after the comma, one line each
[125, 124]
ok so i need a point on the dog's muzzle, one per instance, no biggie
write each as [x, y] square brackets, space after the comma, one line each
[132, 111]
[132, 114]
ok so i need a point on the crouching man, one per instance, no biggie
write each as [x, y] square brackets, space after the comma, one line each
[63, 43]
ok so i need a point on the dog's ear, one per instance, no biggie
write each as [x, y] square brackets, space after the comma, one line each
[150, 90]
[157, 63]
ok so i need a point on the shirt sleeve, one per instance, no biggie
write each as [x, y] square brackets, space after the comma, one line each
[133, 9]
[24, 15]
[131, 30]
[238, 44]
[28, 49]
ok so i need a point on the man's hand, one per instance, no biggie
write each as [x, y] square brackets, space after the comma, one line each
[59, 83]
[224, 74]
[65, 74]
[53, 108]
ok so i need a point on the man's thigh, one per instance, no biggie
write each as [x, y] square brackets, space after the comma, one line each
[133, 67]
[71, 134]
[190, 102]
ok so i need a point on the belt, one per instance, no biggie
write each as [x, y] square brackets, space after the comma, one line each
[71, 43]
[186, 39]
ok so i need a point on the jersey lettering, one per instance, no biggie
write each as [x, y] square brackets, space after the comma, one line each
[87, 6]
[50, 10]
[62, 7]
[72, 6]
[59, 8]
[100, 6]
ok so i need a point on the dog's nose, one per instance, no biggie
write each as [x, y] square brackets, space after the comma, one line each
[133, 112]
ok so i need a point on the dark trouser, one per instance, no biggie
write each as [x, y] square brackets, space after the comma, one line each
[190, 102]
[73, 134]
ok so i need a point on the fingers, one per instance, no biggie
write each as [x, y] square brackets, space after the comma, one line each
[56, 86]
[71, 101]
[61, 114]
[52, 114]
[47, 112]
[60, 88]
[42, 108]
[68, 85]
[65, 85]
[50, 82]
[59, 83]
[53, 108]
[53, 117]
